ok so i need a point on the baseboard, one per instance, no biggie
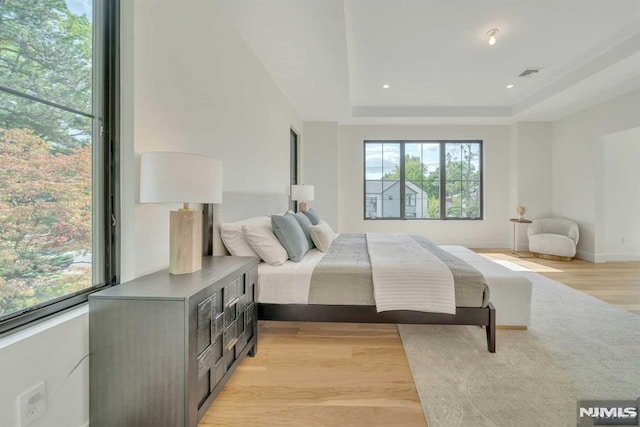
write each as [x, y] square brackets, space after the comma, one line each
[619, 257]
[479, 245]
[589, 256]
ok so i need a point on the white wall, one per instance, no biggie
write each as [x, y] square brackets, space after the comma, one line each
[48, 352]
[192, 85]
[531, 173]
[622, 196]
[320, 167]
[494, 231]
[578, 166]
[200, 89]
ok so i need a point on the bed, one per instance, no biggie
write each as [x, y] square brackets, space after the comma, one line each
[336, 286]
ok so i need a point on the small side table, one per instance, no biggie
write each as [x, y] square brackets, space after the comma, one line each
[515, 222]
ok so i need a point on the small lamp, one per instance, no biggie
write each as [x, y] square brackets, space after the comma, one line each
[303, 194]
[167, 177]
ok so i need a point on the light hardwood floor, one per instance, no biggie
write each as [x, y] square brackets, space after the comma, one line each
[323, 374]
[617, 283]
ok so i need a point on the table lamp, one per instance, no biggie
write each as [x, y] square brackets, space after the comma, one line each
[168, 177]
[302, 194]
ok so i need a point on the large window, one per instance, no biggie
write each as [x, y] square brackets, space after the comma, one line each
[423, 180]
[57, 142]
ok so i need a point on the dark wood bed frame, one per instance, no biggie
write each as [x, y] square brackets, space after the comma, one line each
[482, 316]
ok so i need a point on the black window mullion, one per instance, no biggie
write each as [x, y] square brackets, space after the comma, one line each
[481, 177]
[382, 181]
[402, 181]
[443, 181]
[111, 108]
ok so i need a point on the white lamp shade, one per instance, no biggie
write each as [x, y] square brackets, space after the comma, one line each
[167, 177]
[302, 192]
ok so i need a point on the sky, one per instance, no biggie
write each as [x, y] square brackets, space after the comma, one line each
[81, 7]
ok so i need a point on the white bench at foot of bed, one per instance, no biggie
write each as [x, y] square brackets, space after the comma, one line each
[509, 291]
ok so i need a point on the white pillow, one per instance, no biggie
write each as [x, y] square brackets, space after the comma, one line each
[322, 236]
[233, 238]
[262, 240]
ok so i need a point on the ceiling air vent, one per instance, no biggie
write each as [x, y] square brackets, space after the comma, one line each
[530, 72]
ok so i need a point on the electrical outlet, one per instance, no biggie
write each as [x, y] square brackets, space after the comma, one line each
[32, 404]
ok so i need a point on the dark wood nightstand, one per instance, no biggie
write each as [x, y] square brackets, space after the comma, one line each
[162, 346]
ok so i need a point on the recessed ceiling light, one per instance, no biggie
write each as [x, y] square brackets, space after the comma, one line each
[509, 86]
[492, 36]
[385, 86]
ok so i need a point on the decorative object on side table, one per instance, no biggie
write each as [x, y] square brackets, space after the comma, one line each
[521, 210]
[167, 177]
[302, 194]
[162, 346]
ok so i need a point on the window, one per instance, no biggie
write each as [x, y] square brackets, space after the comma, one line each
[293, 166]
[57, 145]
[435, 179]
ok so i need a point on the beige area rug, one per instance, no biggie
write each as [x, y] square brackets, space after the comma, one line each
[577, 347]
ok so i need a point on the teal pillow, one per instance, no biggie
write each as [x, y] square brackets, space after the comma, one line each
[291, 235]
[312, 215]
[305, 224]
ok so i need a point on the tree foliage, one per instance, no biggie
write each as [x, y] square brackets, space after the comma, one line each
[45, 217]
[45, 51]
[45, 152]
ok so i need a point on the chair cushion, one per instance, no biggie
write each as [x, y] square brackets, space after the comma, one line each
[552, 244]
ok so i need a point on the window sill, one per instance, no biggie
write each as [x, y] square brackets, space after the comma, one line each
[13, 337]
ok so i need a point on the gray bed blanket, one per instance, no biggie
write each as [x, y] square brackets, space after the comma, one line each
[343, 276]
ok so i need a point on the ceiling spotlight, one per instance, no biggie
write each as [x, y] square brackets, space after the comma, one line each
[492, 36]
[509, 86]
[385, 86]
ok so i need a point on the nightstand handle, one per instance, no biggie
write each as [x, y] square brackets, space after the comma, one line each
[233, 302]
[232, 343]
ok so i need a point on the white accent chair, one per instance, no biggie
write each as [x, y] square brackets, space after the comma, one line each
[553, 238]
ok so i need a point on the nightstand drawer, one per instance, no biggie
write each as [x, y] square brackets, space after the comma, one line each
[218, 326]
[229, 337]
[204, 323]
[232, 292]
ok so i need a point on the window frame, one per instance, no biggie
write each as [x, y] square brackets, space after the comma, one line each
[108, 61]
[443, 209]
[293, 166]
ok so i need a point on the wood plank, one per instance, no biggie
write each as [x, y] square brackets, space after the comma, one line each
[617, 283]
[319, 374]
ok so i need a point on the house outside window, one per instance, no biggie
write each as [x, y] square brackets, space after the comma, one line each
[423, 179]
